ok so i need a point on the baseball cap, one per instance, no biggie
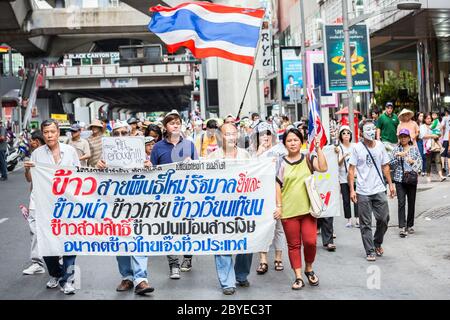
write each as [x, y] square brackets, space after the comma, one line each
[389, 104]
[149, 139]
[405, 132]
[132, 120]
[75, 127]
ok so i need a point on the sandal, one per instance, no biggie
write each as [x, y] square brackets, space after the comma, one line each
[279, 265]
[311, 276]
[298, 284]
[379, 251]
[331, 247]
[263, 267]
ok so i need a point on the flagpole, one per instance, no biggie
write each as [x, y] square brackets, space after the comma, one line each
[251, 72]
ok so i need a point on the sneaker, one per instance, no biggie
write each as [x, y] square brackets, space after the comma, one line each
[357, 223]
[228, 291]
[174, 273]
[186, 266]
[244, 283]
[52, 283]
[348, 225]
[410, 230]
[68, 288]
[35, 268]
[403, 233]
[371, 257]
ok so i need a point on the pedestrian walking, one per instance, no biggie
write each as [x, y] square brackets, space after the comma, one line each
[80, 145]
[231, 275]
[95, 142]
[37, 262]
[154, 131]
[293, 205]
[207, 142]
[60, 154]
[344, 151]
[420, 122]
[445, 125]
[133, 123]
[264, 144]
[133, 269]
[370, 159]
[173, 148]
[432, 149]
[387, 127]
[406, 164]
[407, 122]
[3, 149]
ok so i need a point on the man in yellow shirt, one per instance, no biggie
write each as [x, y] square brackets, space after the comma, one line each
[208, 141]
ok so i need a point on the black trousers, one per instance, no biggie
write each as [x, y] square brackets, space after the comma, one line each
[345, 190]
[406, 191]
[326, 230]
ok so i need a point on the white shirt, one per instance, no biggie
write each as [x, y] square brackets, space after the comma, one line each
[43, 154]
[369, 181]
[277, 150]
[445, 124]
[219, 154]
[343, 170]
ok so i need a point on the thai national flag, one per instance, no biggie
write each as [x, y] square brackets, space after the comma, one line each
[209, 30]
[315, 127]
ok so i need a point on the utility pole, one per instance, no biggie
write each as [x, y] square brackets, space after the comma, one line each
[303, 49]
[348, 64]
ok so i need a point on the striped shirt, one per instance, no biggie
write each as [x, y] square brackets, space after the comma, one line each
[95, 144]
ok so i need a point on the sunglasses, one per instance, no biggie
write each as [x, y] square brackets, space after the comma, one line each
[120, 133]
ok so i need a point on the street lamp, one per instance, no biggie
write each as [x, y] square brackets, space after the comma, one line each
[346, 24]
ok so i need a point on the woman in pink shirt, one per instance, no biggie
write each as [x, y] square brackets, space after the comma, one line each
[406, 122]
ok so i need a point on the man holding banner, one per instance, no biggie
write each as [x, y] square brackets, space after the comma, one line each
[132, 268]
[59, 154]
[228, 274]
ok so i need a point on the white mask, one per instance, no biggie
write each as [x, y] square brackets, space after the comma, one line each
[369, 132]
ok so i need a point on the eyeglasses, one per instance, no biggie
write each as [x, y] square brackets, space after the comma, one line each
[123, 133]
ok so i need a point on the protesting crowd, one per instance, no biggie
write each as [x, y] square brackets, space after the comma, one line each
[385, 157]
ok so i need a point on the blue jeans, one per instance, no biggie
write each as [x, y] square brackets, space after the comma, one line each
[64, 271]
[133, 268]
[424, 157]
[3, 170]
[227, 274]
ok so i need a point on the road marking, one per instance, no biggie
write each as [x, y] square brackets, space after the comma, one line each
[3, 220]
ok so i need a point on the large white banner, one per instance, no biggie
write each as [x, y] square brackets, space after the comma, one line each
[208, 207]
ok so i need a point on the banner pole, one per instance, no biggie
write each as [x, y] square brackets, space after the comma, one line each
[251, 72]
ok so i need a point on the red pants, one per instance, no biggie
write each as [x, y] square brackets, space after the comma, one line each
[297, 230]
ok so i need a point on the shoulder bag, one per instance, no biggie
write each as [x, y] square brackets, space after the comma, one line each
[374, 163]
[409, 177]
[317, 207]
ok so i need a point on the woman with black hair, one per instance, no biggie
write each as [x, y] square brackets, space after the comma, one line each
[406, 163]
[293, 204]
[153, 131]
[264, 144]
[344, 151]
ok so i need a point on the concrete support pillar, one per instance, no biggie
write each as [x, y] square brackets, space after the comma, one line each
[421, 81]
